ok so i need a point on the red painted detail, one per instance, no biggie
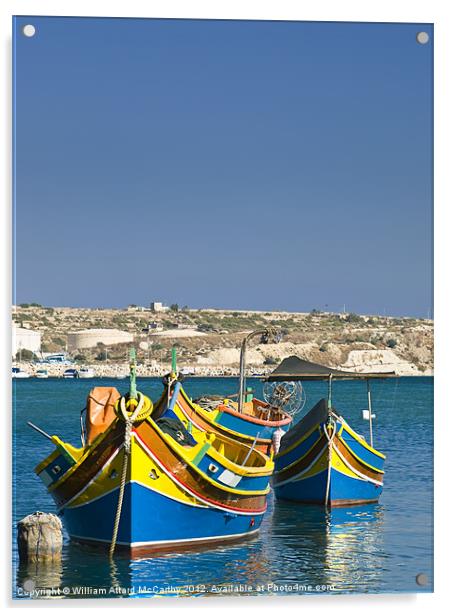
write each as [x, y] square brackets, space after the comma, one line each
[192, 491]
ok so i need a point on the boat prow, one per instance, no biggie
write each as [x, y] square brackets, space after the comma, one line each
[180, 489]
[322, 460]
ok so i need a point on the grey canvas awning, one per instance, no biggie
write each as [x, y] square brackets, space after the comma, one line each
[294, 368]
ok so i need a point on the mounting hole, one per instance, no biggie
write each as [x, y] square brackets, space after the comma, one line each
[422, 38]
[29, 30]
[421, 579]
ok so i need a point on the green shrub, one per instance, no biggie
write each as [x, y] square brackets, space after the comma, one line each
[26, 355]
[270, 361]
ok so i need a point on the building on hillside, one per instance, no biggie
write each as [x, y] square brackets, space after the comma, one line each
[24, 338]
[152, 327]
[135, 308]
[89, 338]
[158, 307]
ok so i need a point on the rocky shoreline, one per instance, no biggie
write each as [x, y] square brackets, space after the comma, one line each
[357, 361]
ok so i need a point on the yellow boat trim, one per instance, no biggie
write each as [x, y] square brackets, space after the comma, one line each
[361, 440]
[50, 458]
[320, 465]
[338, 465]
[303, 438]
[302, 457]
[62, 449]
[202, 438]
[86, 453]
[363, 462]
[180, 450]
[101, 484]
[142, 467]
[343, 466]
[210, 417]
[252, 471]
[139, 471]
[234, 435]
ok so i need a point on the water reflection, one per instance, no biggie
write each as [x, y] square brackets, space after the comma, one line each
[341, 548]
[35, 579]
[360, 549]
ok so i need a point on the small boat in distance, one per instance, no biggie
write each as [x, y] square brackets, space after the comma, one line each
[70, 373]
[321, 459]
[86, 373]
[17, 373]
[42, 374]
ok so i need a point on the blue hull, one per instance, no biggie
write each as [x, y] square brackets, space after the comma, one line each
[342, 488]
[151, 519]
[242, 426]
[323, 460]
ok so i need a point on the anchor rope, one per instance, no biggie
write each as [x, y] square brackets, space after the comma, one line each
[330, 440]
[142, 410]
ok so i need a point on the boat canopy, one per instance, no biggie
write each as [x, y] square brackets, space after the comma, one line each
[294, 368]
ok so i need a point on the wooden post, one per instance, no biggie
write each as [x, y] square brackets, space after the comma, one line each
[330, 392]
[174, 361]
[133, 374]
[39, 538]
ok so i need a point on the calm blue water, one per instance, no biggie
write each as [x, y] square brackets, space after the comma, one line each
[300, 549]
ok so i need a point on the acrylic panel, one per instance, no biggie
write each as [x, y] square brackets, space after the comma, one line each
[222, 308]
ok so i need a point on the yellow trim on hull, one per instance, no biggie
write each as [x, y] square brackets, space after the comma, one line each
[141, 469]
[211, 416]
[292, 447]
[363, 462]
[360, 440]
[284, 468]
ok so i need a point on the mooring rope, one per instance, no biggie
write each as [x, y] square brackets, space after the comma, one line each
[142, 410]
[330, 440]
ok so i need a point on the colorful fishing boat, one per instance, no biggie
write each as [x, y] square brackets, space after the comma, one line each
[145, 484]
[253, 426]
[322, 459]
[247, 419]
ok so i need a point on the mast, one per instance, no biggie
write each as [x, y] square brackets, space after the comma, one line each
[330, 392]
[266, 334]
[369, 404]
[133, 374]
[173, 361]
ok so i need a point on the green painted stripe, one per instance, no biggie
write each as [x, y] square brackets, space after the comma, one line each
[200, 455]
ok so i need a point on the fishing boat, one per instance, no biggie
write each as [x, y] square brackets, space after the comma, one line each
[321, 459]
[141, 484]
[18, 373]
[70, 373]
[86, 373]
[240, 416]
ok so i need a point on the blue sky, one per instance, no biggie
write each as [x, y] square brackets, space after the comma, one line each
[259, 165]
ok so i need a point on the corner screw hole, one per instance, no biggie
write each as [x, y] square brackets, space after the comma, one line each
[29, 30]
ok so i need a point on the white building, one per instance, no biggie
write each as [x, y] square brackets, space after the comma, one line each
[88, 338]
[25, 339]
[158, 307]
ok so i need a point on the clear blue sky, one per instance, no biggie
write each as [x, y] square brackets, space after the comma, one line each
[259, 165]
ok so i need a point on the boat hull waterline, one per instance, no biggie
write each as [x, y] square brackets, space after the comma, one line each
[325, 462]
[174, 495]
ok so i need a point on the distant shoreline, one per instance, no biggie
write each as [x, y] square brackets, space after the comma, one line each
[120, 373]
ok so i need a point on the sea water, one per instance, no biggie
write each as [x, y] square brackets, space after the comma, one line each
[300, 549]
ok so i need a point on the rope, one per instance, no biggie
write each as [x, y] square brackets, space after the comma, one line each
[143, 409]
[330, 440]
